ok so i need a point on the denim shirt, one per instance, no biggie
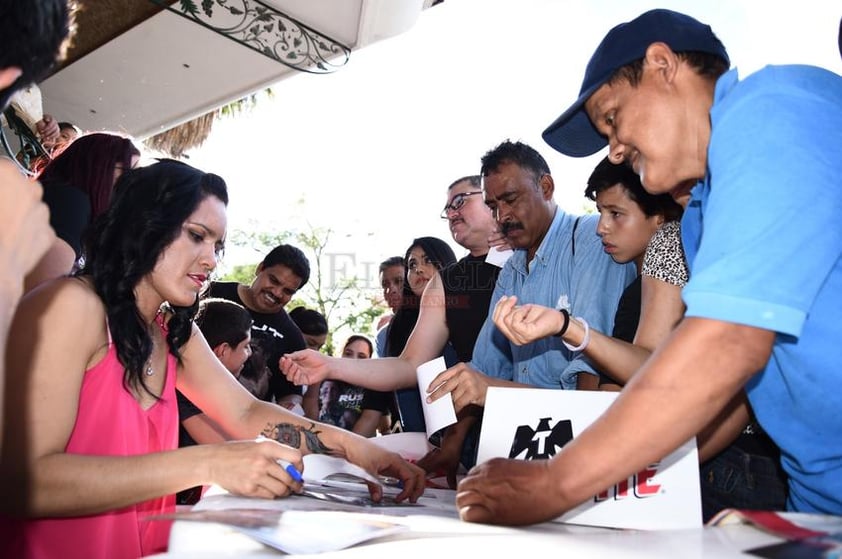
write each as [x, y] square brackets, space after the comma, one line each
[587, 282]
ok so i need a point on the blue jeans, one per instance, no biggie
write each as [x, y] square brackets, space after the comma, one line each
[739, 479]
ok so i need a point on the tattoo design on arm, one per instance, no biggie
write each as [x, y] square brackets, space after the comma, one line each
[290, 435]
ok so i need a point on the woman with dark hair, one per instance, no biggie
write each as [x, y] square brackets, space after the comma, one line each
[77, 188]
[424, 258]
[98, 359]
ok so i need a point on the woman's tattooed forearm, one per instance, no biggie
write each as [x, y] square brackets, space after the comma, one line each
[290, 435]
[284, 433]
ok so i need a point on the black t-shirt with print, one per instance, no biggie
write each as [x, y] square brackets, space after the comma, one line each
[272, 335]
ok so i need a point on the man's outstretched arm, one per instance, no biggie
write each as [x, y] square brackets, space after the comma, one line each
[685, 380]
[426, 342]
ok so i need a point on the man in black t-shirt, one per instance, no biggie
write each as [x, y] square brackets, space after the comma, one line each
[281, 274]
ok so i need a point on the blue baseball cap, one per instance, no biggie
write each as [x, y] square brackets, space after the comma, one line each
[572, 133]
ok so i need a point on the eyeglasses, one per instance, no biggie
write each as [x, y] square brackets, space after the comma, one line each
[457, 202]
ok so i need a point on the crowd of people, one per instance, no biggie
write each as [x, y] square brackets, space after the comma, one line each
[691, 292]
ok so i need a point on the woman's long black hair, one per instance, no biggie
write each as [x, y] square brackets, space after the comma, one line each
[442, 256]
[146, 215]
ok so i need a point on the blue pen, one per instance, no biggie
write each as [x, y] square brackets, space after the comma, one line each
[290, 469]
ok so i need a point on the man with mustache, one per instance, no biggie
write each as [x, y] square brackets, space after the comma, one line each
[558, 262]
[282, 273]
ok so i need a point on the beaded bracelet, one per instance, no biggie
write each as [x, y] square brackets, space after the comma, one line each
[585, 340]
[566, 316]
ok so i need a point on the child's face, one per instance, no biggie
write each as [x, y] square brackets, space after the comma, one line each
[357, 349]
[237, 356]
[315, 342]
[624, 228]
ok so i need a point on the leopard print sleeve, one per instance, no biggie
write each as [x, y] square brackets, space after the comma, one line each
[664, 259]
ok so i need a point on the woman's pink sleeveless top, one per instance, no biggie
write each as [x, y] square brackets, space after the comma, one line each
[109, 422]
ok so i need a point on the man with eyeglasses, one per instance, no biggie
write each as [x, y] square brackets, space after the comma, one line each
[558, 262]
[454, 308]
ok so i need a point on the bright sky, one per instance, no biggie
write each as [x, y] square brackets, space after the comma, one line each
[369, 150]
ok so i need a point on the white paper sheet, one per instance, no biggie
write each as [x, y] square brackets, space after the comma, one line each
[411, 446]
[498, 257]
[440, 413]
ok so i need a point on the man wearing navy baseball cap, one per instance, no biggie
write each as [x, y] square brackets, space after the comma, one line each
[760, 160]
[573, 133]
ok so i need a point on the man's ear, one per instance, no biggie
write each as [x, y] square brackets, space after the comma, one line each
[222, 350]
[547, 186]
[662, 58]
[9, 75]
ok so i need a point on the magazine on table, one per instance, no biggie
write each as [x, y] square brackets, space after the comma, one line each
[333, 479]
[808, 536]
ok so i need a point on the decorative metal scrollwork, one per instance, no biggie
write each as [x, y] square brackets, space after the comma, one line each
[264, 29]
[30, 145]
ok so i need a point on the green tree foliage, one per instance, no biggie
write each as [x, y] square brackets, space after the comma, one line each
[241, 274]
[244, 105]
[341, 298]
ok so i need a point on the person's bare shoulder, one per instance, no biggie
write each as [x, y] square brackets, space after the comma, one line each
[67, 302]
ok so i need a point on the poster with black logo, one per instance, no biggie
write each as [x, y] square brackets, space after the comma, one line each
[535, 424]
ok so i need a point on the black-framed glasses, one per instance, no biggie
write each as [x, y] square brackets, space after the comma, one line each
[457, 202]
